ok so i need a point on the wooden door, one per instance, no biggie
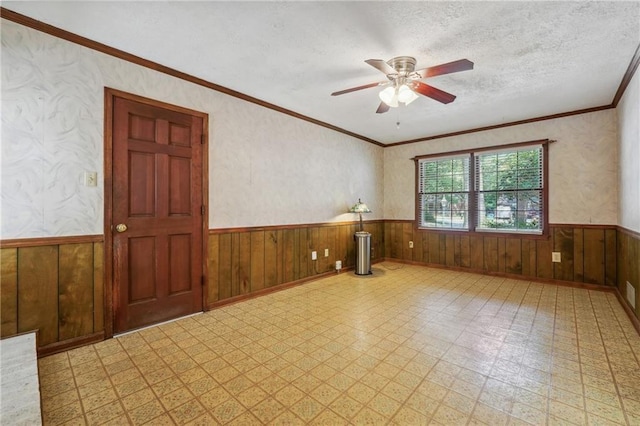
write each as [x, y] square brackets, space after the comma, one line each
[158, 214]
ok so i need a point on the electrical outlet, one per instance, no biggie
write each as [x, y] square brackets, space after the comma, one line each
[314, 255]
[326, 252]
[556, 257]
[410, 244]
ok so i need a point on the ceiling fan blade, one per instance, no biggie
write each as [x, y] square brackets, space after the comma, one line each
[382, 108]
[382, 66]
[353, 89]
[448, 68]
[432, 92]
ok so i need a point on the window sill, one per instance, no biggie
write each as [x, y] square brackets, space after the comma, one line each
[488, 233]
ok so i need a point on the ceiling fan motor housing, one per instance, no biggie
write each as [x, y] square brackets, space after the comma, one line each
[404, 65]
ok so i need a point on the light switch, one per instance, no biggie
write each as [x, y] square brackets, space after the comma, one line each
[90, 178]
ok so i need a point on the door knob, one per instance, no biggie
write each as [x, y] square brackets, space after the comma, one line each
[121, 227]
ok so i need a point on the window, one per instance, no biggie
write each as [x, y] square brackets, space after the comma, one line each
[444, 192]
[489, 190]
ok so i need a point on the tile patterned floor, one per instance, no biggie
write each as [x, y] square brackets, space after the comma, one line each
[409, 345]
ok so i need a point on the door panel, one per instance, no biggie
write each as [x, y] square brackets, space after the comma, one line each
[142, 188]
[157, 194]
[142, 252]
[178, 261]
[179, 186]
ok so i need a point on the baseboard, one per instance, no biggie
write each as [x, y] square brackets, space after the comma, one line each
[68, 344]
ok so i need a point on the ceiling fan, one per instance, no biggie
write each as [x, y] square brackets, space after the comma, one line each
[403, 85]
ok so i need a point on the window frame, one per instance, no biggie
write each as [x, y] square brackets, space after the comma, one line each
[472, 194]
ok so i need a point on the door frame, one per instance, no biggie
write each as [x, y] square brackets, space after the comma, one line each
[109, 96]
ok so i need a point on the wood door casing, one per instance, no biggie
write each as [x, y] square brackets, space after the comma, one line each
[157, 192]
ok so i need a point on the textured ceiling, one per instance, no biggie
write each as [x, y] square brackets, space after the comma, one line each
[532, 59]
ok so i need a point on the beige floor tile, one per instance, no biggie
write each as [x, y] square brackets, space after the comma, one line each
[228, 410]
[327, 418]
[413, 345]
[267, 410]
[187, 412]
[105, 413]
[62, 414]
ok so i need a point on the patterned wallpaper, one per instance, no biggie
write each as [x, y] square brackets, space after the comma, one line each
[265, 168]
[583, 166]
[629, 134]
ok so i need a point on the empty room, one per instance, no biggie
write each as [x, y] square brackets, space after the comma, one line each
[325, 213]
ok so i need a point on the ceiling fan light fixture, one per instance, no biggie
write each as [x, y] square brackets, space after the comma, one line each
[389, 96]
[406, 95]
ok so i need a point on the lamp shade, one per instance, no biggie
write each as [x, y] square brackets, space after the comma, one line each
[406, 95]
[389, 97]
[360, 207]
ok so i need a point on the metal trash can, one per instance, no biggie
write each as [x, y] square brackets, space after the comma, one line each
[363, 253]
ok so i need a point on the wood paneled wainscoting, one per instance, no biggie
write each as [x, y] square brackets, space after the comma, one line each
[588, 252]
[244, 261]
[54, 286]
[629, 270]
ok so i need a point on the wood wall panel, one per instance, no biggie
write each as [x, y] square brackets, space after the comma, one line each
[248, 260]
[288, 256]
[244, 263]
[449, 250]
[628, 265]
[270, 259]
[513, 255]
[303, 253]
[491, 254]
[591, 247]
[98, 287]
[332, 233]
[75, 290]
[418, 247]
[389, 229]
[9, 291]
[38, 292]
[224, 266]
[235, 264]
[563, 243]
[213, 268]
[502, 255]
[465, 253]
[527, 257]
[610, 265]
[257, 261]
[594, 256]
[544, 266]
[407, 235]
[476, 248]
[434, 248]
[280, 256]
[56, 289]
[578, 255]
